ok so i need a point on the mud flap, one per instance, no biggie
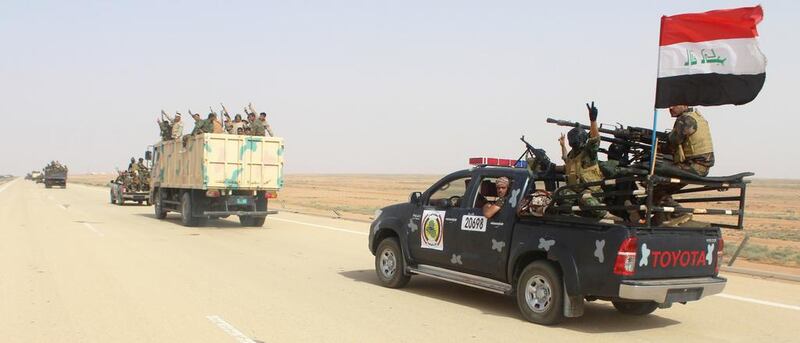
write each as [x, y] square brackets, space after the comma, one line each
[573, 304]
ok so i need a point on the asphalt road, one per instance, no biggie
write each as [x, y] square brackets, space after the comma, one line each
[74, 268]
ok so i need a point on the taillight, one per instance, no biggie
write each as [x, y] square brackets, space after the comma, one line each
[626, 257]
[271, 195]
[720, 251]
[213, 193]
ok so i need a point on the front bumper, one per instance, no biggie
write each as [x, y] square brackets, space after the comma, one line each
[672, 290]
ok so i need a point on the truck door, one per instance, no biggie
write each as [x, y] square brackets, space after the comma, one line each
[434, 226]
[484, 243]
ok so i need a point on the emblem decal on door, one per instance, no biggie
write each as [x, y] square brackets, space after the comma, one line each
[432, 233]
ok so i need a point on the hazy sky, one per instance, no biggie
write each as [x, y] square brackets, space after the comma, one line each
[364, 86]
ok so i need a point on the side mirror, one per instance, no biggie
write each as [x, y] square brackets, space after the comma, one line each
[415, 197]
[148, 155]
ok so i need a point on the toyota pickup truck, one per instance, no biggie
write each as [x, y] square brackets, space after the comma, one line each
[551, 264]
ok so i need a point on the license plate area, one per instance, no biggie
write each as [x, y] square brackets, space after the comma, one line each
[684, 294]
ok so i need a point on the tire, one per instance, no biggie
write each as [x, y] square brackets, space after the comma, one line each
[186, 210]
[390, 265]
[259, 221]
[245, 220]
[540, 294]
[120, 199]
[47, 185]
[139, 202]
[158, 207]
[635, 308]
[113, 200]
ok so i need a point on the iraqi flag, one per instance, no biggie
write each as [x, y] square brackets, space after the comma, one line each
[710, 58]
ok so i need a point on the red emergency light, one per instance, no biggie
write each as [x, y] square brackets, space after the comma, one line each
[492, 161]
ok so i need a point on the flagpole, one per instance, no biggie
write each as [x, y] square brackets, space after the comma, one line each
[653, 140]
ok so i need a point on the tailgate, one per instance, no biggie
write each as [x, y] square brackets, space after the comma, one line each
[676, 252]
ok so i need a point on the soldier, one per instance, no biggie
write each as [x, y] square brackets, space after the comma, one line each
[256, 126]
[165, 129]
[263, 119]
[177, 126]
[692, 152]
[132, 166]
[216, 126]
[581, 164]
[237, 124]
[198, 124]
[491, 208]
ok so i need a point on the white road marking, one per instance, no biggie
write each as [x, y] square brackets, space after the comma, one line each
[229, 329]
[93, 229]
[8, 184]
[320, 226]
[761, 302]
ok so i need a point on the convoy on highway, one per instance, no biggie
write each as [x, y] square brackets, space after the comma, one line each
[551, 262]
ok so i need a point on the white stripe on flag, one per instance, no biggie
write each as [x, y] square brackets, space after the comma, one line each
[725, 56]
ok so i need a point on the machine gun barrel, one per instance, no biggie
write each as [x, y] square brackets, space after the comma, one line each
[632, 135]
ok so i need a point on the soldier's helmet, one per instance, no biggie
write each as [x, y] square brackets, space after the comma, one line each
[577, 137]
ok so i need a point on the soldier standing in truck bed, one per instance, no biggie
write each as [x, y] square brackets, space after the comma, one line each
[256, 126]
[581, 165]
[692, 152]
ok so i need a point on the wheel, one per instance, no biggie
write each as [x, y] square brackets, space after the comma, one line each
[540, 296]
[113, 200]
[245, 220]
[186, 210]
[120, 199]
[635, 308]
[139, 202]
[159, 206]
[389, 264]
[47, 185]
[259, 221]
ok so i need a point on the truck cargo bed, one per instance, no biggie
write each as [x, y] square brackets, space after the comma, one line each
[220, 161]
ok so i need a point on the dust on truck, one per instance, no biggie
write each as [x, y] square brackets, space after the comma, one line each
[212, 176]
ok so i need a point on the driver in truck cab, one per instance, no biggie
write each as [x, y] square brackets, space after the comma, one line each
[491, 208]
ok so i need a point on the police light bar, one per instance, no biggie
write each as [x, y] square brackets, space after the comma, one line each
[497, 162]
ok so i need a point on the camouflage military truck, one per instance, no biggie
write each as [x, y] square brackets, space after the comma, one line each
[130, 186]
[210, 176]
[55, 175]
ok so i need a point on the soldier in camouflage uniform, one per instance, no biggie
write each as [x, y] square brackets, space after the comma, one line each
[198, 124]
[491, 208]
[581, 165]
[692, 151]
[256, 126]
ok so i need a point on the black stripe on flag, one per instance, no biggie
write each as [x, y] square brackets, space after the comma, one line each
[708, 89]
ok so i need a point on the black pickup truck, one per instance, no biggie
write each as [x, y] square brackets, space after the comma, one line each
[552, 264]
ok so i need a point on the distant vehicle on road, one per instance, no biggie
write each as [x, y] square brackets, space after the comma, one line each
[550, 263]
[215, 176]
[37, 176]
[130, 186]
[55, 176]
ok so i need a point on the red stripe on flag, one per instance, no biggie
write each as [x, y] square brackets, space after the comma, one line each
[712, 25]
